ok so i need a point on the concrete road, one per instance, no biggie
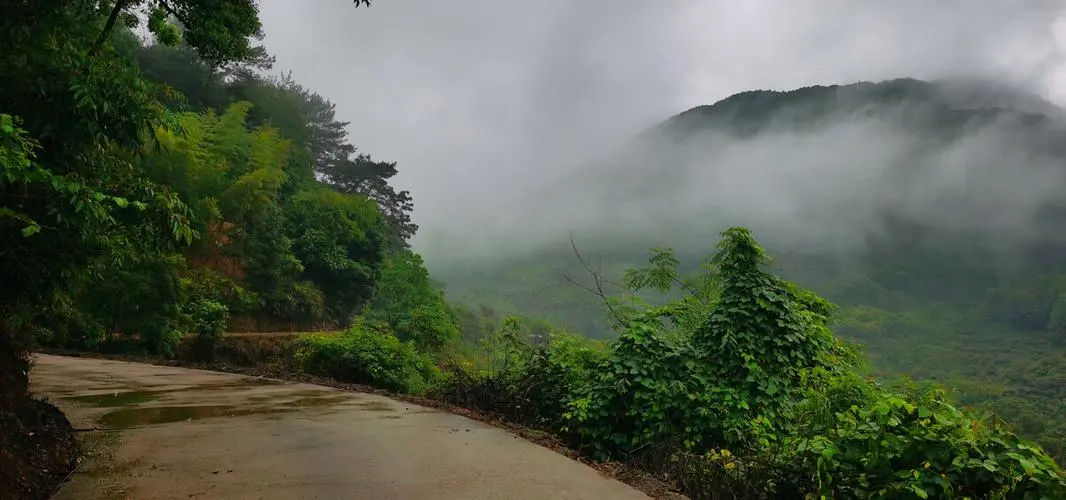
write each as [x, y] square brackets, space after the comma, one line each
[179, 433]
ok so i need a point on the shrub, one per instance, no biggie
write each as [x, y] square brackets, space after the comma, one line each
[206, 284]
[367, 354]
[299, 301]
[533, 385]
[209, 318]
[159, 337]
[272, 352]
[761, 393]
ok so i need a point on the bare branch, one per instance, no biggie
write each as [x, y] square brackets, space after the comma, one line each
[599, 282]
[688, 288]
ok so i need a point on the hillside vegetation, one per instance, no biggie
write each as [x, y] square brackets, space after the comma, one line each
[153, 188]
[929, 211]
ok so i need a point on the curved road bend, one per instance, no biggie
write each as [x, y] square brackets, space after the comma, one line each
[179, 433]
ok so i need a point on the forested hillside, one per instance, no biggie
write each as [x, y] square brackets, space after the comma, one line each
[156, 182]
[930, 211]
[200, 193]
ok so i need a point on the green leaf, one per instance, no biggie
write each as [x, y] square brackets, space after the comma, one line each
[121, 202]
[771, 388]
[30, 230]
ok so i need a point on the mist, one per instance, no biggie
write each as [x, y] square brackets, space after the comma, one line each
[510, 121]
[821, 189]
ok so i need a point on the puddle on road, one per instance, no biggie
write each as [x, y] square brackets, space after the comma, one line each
[130, 398]
[130, 417]
[127, 410]
[113, 399]
[136, 417]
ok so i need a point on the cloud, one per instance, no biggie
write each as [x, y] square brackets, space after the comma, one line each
[487, 104]
[826, 188]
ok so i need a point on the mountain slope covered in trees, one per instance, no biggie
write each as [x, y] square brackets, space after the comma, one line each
[931, 212]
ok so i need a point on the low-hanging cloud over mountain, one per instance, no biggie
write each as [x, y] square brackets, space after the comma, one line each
[490, 107]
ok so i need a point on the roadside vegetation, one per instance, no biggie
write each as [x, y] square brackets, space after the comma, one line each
[156, 188]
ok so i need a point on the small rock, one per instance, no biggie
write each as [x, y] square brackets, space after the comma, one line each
[216, 471]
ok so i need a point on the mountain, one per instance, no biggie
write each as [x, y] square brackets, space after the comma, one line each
[930, 211]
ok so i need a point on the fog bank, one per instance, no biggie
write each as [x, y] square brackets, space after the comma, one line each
[491, 107]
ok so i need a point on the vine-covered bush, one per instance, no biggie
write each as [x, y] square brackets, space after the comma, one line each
[760, 400]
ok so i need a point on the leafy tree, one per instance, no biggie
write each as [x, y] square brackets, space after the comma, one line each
[415, 310]
[309, 120]
[180, 67]
[340, 239]
[362, 175]
[68, 191]
[220, 31]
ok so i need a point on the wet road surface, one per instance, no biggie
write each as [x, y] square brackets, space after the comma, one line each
[168, 432]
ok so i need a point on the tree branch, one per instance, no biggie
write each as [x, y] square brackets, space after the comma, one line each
[598, 290]
[170, 10]
[110, 25]
[688, 288]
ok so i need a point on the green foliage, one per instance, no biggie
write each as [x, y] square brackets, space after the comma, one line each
[415, 310]
[527, 379]
[340, 240]
[300, 301]
[130, 210]
[474, 324]
[643, 394]
[207, 285]
[220, 31]
[309, 120]
[761, 400]
[17, 154]
[726, 381]
[917, 444]
[368, 354]
[209, 318]
[136, 292]
[697, 292]
[967, 306]
[135, 212]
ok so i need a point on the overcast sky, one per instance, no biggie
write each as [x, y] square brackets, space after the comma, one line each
[480, 99]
